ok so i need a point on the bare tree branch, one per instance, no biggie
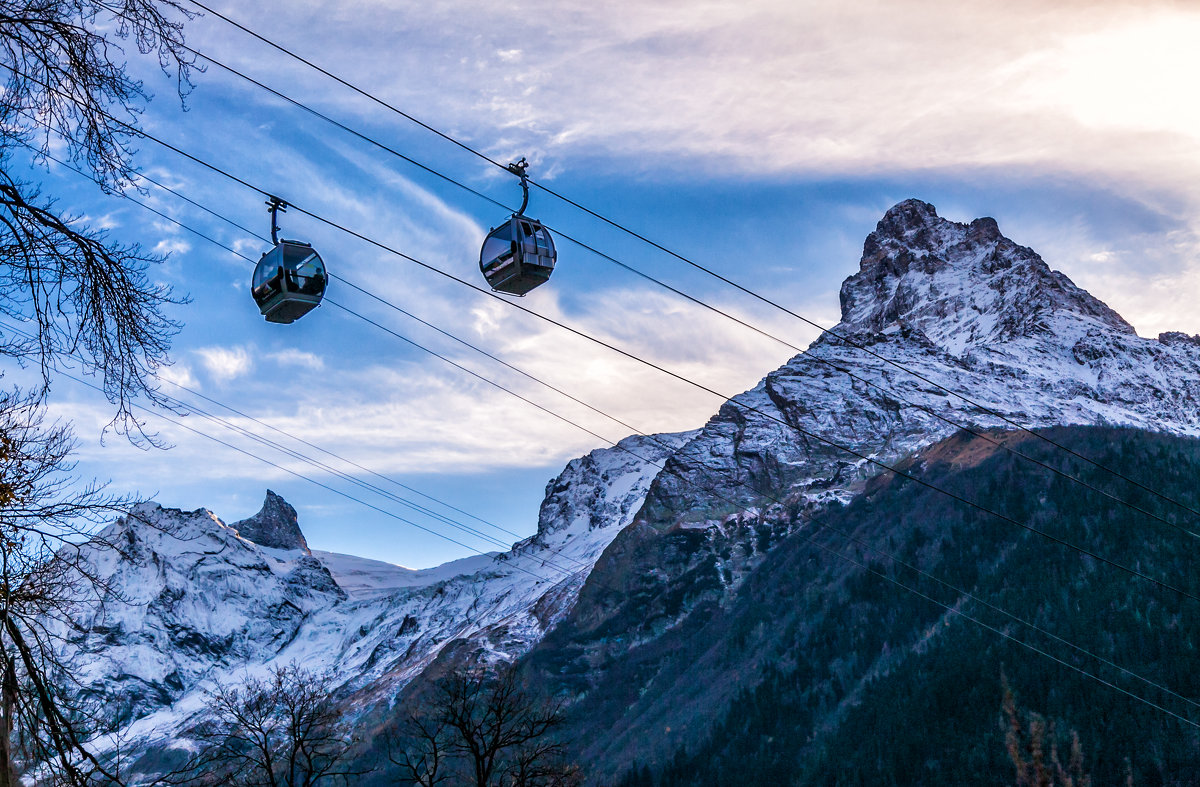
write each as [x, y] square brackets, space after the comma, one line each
[483, 729]
[284, 730]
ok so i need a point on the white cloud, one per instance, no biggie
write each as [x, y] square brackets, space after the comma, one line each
[180, 374]
[294, 357]
[225, 363]
[106, 221]
[172, 246]
[799, 87]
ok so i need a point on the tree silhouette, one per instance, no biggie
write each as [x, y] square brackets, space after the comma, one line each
[483, 729]
[284, 730]
[77, 296]
[70, 296]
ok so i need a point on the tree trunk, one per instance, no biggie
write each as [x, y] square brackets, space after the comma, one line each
[8, 706]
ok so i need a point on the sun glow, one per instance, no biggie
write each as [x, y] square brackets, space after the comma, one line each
[1137, 75]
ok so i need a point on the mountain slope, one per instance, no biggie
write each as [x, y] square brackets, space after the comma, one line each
[846, 677]
[959, 304]
[632, 566]
[194, 600]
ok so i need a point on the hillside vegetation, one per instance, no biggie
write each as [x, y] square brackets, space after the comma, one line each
[844, 678]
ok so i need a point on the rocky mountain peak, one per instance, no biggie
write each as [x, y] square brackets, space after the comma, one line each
[962, 285]
[276, 525]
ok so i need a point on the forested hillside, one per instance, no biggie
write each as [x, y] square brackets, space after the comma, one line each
[844, 677]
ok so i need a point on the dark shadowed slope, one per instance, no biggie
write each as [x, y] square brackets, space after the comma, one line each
[820, 671]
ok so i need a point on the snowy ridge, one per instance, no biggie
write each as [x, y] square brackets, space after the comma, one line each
[968, 310]
[193, 595]
[205, 603]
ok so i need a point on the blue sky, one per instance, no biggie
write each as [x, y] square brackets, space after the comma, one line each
[763, 139]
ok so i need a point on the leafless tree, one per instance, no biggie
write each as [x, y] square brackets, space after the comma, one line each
[66, 79]
[79, 297]
[487, 730]
[45, 573]
[420, 749]
[284, 730]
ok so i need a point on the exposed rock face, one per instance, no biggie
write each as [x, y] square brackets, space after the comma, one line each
[961, 285]
[187, 596]
[276, 525]
[968, 310]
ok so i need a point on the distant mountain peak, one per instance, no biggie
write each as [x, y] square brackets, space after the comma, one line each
[962, 284]
[276, 525]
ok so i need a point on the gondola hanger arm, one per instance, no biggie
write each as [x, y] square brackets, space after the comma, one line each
[521, 170]
[275, 206]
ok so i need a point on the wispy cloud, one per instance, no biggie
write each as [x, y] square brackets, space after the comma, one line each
[815, 86]
[180, 374]
[225, 363]
[294, 357]
[172, 246]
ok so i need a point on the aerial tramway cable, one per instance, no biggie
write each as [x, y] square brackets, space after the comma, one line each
[692, 299]
[821, 525]
[804, 351]
[645, 239]
[700, 386]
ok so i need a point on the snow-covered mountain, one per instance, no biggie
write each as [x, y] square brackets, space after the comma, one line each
[963, 307]
[196, 600]
[970, 312]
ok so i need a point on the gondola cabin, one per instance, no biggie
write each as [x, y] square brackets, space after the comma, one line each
[289, 281]
[517, 256]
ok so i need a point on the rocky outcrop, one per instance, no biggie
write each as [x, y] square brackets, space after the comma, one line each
[184, 595]
[276, 525]
[945, 325]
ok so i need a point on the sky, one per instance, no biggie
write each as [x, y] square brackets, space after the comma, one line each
[763, 139]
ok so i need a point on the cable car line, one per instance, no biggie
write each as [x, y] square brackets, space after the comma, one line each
[835, 553]
[724, 398]
[567, 572]
[677, 255]
[594, 409]
[193, 392]
[414, 344]
[353, 87]
[810, 518]
[800, 350]
[871, 460]
[338, 473]
[338, 124]
[702, 303]
[341, 458]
